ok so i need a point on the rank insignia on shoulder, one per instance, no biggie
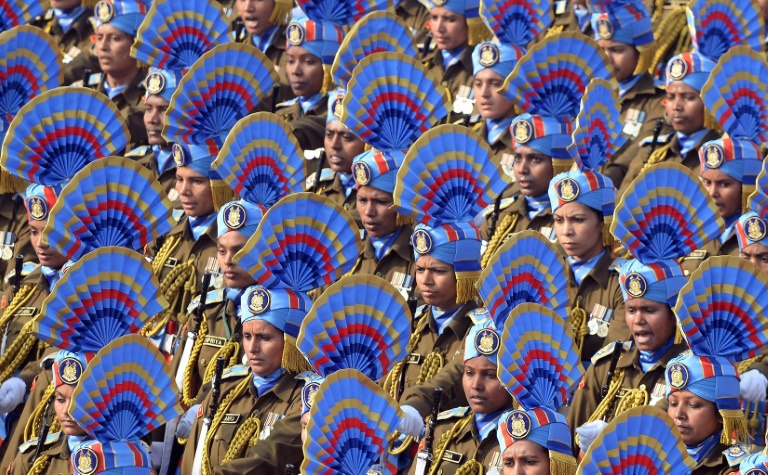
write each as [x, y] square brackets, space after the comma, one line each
[139, 151]
[236, 371]
[453, 413]
[607, 350]
[663, 139]
[735, 454]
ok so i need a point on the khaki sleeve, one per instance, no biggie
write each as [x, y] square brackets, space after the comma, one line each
[448, 378]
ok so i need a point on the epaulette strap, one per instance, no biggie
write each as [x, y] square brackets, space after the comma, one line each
[237, 371]
[26, 269]
[607, 350]
[504, 204]
[139, 151]
[735, 454]
[452, 413]
[49, 440]
[661, 140]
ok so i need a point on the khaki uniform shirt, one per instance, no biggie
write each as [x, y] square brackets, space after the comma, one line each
[199, 251]
[457, 75]
[715, 463]
[589, 392]
[308, 127]
[56, 447]
[13, 219]
[641, 107]
[692, 261]
[600, 296]
[672, 154]
[395, 266]
[415, 16]
[220, 315]
[450, 344]
[331, 187]
[279, 411]
[76, 41]
[516, 206]
[145, 156]
[466, 446]
[503, 143]
[130, 102]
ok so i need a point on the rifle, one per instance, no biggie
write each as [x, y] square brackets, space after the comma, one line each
[288, 470]
[656, 132]
[320, 165]
[197, 465]
[612, 368]
[186, 353]
[43, 430]
[424, 458]
[494, 217]
[18, 267]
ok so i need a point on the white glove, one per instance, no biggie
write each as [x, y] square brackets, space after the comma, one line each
[412, 424]
[156, 453]
[588, 433]
[753, 386]
[185, 422]
[12, 394]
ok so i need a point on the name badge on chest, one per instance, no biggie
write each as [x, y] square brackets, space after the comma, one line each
[414, 358]
[452, 457]
[230, 418]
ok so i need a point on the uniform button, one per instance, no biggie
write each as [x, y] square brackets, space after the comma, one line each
[346, 205]
[686, 272]
[202, 362]
[444, 83]
[378, 274]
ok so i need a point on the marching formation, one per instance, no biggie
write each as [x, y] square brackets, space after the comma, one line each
[519, 237]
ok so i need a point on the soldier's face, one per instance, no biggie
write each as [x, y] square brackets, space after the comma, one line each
[724, 190]
[154, 111]
[113, 49]
[61, 400]
[623, 58]
[525, 458]
[651, 323]
[255, 14]
[684, 108]
[579, 230]
[490, 103]
[436, 281]
[757, 254]
[448, 29]
[227, 246]
[696, 418]
[533, 170]
[263, 345]
[65, 4]
[374, 205]
[194, 192]
[45, 253]
[304, 422]
[484, 392]
[341, 146]
[305, 71]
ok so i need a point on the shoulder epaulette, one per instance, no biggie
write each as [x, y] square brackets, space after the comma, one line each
[48, 15]
[139, 151]
[94, 22]
[420, 312]
[310, 155]
[287, 103]
[697, 255]
[31, 444]
[663, 139]
[236, 371]
[455, 412]
[607, 350]
[326, 175]
[214, 296]
[178, 214]
[617, 263]
[93, 80]
[26, 269]
[478, 315]
[505, 203]
[735, 454]
[46, 359]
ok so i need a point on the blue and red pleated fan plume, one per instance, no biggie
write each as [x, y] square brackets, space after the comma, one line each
[516, 23]
[392, 100]
[349, 425]
[721, 309]
[360, 322]
[175, 34]
[737, 95]
[61, 131]
[303, 242]
[538, 361]
[758, 200]
[640, 441]
[554, 74]
[108, 293]
[716, 26]
[19, 12]
[111, 202]
[665, 213]
[126, 392]
[526, 268]
[30, 64]
[261, 160]
[376, 32]
[342, 12]
[597, 135]
[221, 88]
[449, 174]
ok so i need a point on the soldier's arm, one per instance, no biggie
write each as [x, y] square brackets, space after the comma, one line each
[449, 378]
